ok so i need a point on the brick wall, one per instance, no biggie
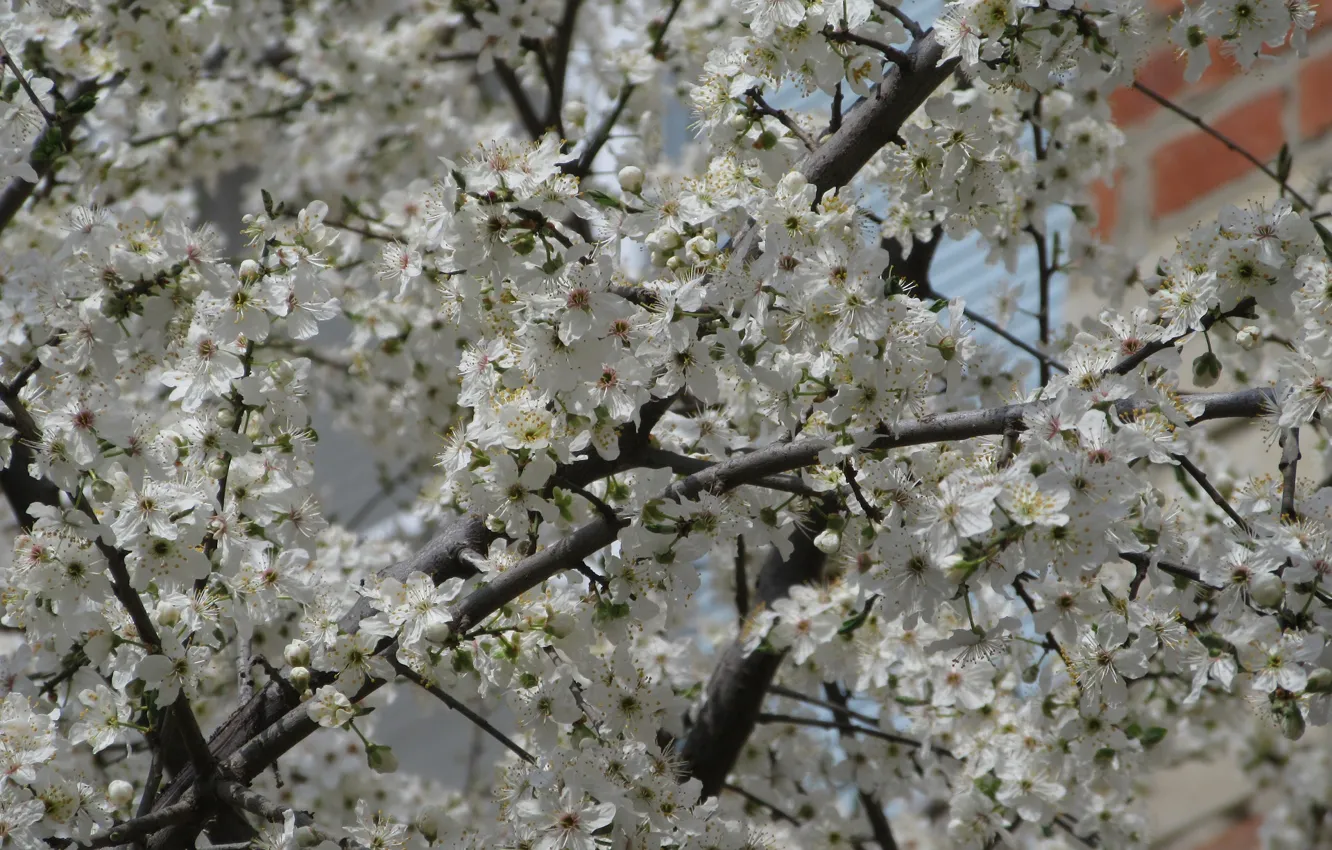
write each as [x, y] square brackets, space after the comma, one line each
[1172, 173]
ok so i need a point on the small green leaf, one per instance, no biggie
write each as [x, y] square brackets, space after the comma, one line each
[1153, 736]
[50, 146]
[268, 202]
[82, 104]
[1185, 482]
[850, 625]
[603, 199]
[988, 784]
[1326, 236]
[1283, 165]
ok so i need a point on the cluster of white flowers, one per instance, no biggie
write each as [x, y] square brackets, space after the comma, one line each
[968, 601]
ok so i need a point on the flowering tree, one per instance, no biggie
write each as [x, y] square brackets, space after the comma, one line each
[758, 543]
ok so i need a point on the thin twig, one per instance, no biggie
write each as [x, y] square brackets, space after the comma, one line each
[762, 107]
[1225, 140]
[777, 812]
[21, 379]
[1215, 495]
[150, 785]
[818, 723]
[871, 512]
[908, 22]
[893, 54]
[741, 580]
[1243, 308]
[1030, 602]
[27, 87]
[582, 165]
[452, 702]
[874, 813]
[1046, 361]
[789, 693]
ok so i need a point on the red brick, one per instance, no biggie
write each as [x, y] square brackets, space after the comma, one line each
[1163, 73]
[1315, 96]
[1241, 836]
[1196, 164]
[1105, 198]
[1322, 20]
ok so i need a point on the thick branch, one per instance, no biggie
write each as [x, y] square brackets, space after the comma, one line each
[740, 682]
[868, 125]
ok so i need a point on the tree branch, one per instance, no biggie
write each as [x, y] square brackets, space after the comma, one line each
[873, 121]
[268, 726]
[596, 140]
[740, 681]
[452, 702]
[761, 107]
[878, 819]
[18, 191]
[559, 66]
[1196, 121]
[1290, 456]
[892, 54]
[1215, 495]
[777, 812]
[849, 728]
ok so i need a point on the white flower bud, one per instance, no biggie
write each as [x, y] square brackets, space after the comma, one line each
[1248, 337]
[427, 822]
[299, 678]
[828, 541]
[575, 112]
[701, 247]
[168, 614]
[217, 467]
[225, 417]
[1320, 681]
[739, 123]
[307, 837]
[250, 270]
[297, 653]
[631, 179]
[560, 624]
[1267, 590]
[663, 239]
[437, 632]
[674, 263]
[120, 793]
[282, 372]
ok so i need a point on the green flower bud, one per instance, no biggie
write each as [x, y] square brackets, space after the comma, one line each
[381, 759]
[1206, 369]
